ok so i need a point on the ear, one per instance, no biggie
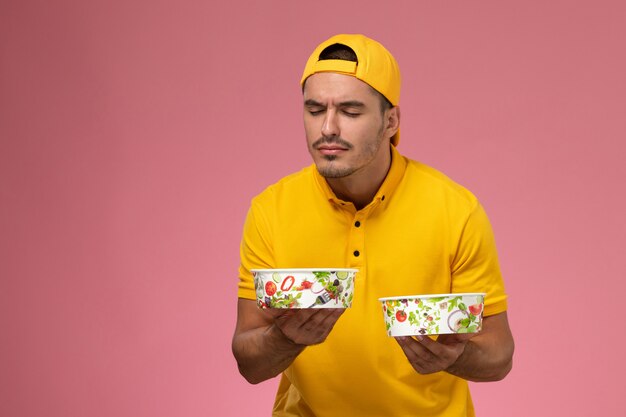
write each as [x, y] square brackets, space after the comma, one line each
[392, 120]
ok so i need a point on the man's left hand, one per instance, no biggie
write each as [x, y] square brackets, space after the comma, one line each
[428, 356]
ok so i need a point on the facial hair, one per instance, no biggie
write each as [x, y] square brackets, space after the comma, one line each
[333, 140]
[367, 153]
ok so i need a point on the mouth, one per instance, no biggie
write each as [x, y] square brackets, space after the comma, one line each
[331, 146]
[328, 149]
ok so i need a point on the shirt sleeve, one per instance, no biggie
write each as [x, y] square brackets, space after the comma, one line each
[255, 250]
[475, 267]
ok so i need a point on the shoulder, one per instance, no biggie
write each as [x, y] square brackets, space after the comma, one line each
[294, 185]
[437, 186]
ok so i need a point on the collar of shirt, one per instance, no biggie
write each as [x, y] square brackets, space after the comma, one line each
[389, 185]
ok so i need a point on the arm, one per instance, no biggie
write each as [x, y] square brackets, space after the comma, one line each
[486, 356]
[266, 342]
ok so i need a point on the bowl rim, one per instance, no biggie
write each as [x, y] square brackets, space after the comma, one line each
[408, 297]
[287, 270]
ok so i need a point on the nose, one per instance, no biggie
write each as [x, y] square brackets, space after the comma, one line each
[330, 127]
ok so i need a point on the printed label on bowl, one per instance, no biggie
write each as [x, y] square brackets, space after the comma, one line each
[433, 315]
[304, 289]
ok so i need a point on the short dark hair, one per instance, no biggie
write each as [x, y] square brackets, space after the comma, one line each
[345, 53]
[338, 51]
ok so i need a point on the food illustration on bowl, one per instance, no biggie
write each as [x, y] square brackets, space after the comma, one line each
[433, 314]
[304, 288]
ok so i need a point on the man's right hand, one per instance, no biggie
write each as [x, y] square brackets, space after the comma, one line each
[267, 341]
[306, 326]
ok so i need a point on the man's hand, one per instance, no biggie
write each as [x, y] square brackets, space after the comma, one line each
[267, 341]
[484, 356]
[305, 326]
[428, 356]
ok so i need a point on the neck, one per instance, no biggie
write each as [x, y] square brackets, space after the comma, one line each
[361, 187]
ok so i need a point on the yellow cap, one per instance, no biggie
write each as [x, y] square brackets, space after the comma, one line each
[375, 66]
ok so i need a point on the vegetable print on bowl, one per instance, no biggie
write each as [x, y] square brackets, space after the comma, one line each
[433, 314]
[304, 288]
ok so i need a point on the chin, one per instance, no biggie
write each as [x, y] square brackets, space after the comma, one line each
[333, 171]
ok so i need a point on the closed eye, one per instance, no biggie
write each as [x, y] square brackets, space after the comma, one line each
[313, 107]
[352, 108]
[315, 112]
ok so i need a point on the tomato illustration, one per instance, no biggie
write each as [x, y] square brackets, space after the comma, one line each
[400, 315]
[270, 288]
[475, 309]
[304, 285]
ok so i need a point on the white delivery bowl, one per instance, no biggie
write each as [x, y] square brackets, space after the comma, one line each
[433, 314]
[304, 288]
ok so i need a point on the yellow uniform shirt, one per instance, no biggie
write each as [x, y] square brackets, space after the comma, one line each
[421, 234]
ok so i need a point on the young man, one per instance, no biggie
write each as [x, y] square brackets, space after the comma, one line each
[406, 227]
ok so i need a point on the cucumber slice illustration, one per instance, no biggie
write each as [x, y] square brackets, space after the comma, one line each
[276, 277]
[342, 274]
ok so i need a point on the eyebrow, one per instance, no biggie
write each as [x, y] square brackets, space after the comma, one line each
[348, 103]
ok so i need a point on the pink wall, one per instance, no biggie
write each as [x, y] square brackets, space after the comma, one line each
[134, 133]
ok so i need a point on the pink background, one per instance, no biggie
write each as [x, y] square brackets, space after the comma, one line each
[133, 135]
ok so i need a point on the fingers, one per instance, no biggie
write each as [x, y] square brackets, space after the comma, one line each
[323, 323]
[428, 356]
[307, 326]
[422, 359]
[450, 339]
